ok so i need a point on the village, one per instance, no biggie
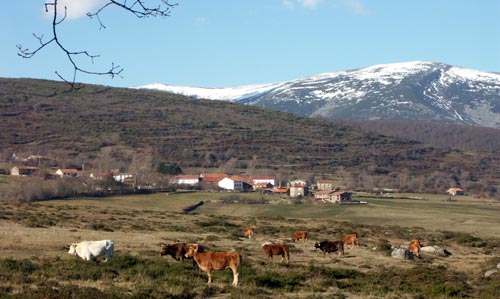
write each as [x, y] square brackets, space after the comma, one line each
[323, 190]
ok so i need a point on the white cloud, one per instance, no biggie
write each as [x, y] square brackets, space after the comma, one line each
[305, 3]
[76, 8]
[288, 4]
[356, 6]
[310, 3]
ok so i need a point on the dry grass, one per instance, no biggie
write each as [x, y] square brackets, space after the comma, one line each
[138, 225]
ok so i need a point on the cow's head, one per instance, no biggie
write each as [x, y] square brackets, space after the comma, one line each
[317, 245]
[415, 242]
[164, 249]
[192, 249]
[72, 249]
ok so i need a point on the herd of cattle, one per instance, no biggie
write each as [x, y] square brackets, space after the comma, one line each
[208, 261]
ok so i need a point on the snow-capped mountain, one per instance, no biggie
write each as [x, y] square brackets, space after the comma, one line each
[426, 91]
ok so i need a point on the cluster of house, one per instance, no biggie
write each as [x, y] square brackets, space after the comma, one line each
[324, 190]
[70, 173]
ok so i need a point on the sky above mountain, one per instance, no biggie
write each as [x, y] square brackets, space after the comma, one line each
[230, 43]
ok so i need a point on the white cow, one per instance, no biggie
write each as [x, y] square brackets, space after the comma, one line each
[89, 250]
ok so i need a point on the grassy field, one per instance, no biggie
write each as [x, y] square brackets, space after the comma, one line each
[429, 211]
[35, 264]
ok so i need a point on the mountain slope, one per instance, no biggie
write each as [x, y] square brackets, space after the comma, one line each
[134, 130]
[423, 91]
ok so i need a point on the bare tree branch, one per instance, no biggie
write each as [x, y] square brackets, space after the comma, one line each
[136, 7]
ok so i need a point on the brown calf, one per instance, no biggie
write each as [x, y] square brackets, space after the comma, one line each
[298, 235]
[276, 249]
[211, 260]
[176, 250]
[351, 239]
[414, 247]
[248, 232]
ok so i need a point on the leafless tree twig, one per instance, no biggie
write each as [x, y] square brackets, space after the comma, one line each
[138, 8]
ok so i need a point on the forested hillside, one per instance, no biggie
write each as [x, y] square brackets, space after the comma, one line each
[105, 128]
[462, 137]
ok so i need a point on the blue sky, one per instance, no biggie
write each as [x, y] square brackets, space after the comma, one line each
[224, 43]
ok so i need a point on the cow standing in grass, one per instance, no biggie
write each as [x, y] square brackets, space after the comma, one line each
[212, 260]
[330, 246]
[351, 239]
[90, 250]
[276, 249]
[248, 232]
[299, 235]
[414, 247]
[176, 250]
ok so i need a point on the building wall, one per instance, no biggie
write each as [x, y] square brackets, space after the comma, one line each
[188, 181]
[14, 171]
[227, 184]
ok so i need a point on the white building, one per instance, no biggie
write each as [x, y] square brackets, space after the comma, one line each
[234, 183]
[121, 177]
[68, 172]
[264, 179]
[187, 179]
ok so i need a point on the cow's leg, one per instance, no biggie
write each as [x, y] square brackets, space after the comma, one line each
[209, 273]
[235, 276]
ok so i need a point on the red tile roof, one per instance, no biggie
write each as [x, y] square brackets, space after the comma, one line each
[213, 177]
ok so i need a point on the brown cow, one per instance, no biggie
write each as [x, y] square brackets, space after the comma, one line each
[298, 235]
[276, 249]
[414, 247]
[176, 250]
[212, 260]
[351, 239]
[248, 232]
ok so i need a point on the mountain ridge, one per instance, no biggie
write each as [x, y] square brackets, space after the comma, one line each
[416, 90]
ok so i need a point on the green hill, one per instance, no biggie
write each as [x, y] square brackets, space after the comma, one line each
[103, 127]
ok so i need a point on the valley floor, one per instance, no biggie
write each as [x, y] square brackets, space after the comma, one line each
[34, 262]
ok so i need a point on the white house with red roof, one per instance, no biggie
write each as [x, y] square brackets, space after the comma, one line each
[263, 180]
[187, 179]
[235, 183]
[68, 172]
[212, 178]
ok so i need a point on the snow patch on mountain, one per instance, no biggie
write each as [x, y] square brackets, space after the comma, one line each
[473, 75]
[225, 93]
[391, 73]
[415, 90]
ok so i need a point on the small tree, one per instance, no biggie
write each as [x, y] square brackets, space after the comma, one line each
[172, 169]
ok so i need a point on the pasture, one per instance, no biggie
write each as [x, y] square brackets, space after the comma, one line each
[34, 262]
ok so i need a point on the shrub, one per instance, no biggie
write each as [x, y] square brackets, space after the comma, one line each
[383, 246]
[101, 227]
